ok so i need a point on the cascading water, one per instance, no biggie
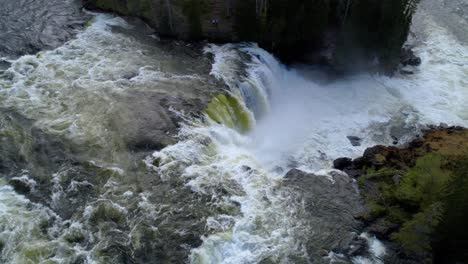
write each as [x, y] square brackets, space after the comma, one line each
[216, 195]
[78, 121]
[304, 123]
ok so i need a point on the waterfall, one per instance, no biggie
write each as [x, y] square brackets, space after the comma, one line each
[303, 122]
[79, 121]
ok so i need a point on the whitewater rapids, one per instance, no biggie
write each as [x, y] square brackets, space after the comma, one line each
[215, 184]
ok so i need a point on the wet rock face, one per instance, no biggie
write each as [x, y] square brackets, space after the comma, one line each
[184, 19]
[409, 58]
[324, 32]
[21, 185]
[342, 163]
[330, 204]
[27, 27]
[444, 140]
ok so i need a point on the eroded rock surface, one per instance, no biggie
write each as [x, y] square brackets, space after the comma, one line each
[329, 205]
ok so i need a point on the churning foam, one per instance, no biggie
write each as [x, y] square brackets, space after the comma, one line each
[301, 122]
[305, 124]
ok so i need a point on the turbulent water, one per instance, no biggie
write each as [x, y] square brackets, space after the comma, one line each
[30, 26]
[82, 127]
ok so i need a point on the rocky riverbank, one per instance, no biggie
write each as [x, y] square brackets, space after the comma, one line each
[416, 196]
[104, 159]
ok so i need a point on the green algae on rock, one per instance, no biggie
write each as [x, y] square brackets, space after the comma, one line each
[226, 109]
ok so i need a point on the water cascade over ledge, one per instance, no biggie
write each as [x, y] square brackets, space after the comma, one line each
[96, 191]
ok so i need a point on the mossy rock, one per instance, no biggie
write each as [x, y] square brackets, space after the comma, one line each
[228, 110]
[420, 204]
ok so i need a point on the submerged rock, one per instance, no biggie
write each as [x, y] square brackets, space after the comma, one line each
[355, 141]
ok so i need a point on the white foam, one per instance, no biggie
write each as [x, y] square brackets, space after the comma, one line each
[307, 125]
[301, 123]
[377, 251]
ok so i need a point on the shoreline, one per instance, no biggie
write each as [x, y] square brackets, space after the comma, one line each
[390, 179]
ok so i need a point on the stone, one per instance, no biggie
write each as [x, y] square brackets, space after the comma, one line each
[246, 168]
[329, 204]
[416, 61]
[409, 58]
[382, 228]
[355, 141]
[357, 247]
[406, 72]
[20, 185]
[342, 163]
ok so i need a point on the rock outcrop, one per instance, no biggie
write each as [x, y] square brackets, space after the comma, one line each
[416, 196]
[337, 33]
[329, 205]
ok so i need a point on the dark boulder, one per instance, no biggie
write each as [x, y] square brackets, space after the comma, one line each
[408, 57]
[342, 163]
[21, 185]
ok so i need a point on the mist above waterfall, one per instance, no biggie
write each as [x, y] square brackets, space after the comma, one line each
[307, 117]
[128, 149]
[303, 121]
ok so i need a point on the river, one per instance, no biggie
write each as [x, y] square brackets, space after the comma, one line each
[82, 124]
